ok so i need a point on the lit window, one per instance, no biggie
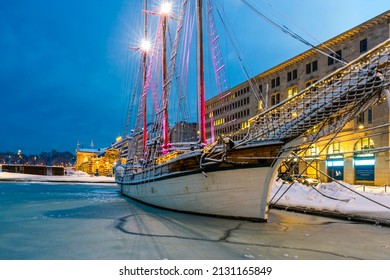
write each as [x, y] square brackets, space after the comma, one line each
[292, 91]
[364, 144]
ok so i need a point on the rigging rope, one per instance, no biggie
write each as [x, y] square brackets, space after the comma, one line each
[236, 46]
[289, 32]
[307, 33]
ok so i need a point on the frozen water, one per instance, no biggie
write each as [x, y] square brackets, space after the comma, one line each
[81, 221]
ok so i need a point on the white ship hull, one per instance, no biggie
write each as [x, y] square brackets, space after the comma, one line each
[234, 193]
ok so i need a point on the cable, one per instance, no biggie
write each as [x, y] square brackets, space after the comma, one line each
[292, 34]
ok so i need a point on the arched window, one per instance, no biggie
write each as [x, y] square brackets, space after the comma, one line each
[312, 152]
[364, 144]
[312, 155]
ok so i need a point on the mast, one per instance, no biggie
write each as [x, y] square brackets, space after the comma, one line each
[145, 132]
[164, 80]
[200, 74]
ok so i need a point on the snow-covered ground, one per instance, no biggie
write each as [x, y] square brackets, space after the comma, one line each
[366, 202]
[76, 177]
[348, 200]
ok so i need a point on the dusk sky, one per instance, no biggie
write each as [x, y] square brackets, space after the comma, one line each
[62, 68]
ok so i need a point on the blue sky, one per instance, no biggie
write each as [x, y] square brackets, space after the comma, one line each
[63, 62]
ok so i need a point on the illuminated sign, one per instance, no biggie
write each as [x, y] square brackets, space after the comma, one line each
[331, 163]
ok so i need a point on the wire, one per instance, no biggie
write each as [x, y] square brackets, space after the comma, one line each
[289, 32]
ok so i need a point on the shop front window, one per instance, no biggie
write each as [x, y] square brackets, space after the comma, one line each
[364, 160]
[335, 161]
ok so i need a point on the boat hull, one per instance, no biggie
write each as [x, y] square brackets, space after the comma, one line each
[234, 193]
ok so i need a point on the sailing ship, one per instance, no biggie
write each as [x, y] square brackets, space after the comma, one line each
[227, 178]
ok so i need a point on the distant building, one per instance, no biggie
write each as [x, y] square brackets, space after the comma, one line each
[98, 162]
[228, 114]
[122, 145]
[184, 132]
[33, 169]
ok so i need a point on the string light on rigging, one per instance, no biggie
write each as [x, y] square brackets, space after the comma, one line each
[145, 46]
[166, 8]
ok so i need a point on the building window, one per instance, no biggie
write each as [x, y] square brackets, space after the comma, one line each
[292, 91]
[364, 144]
[292, 75]
[275, 82]
[337, 55]
[369, 115]
[311, 67]
[260, 88]
[275, 99]
[360, 118]
[363, 45]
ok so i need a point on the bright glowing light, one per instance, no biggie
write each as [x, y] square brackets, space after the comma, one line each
[166, 8]
[331, 163]
[360, 162]
[145, 46]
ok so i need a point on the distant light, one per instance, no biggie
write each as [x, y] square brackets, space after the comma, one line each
[166, 8]
[145, 46]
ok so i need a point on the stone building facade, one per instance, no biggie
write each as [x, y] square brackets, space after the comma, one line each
[345, 158]
[97, 162]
